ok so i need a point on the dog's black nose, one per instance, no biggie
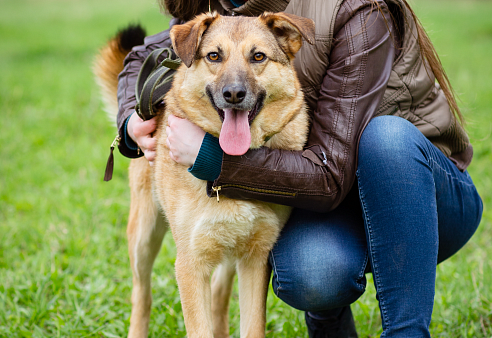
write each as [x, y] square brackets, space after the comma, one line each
[234, 93]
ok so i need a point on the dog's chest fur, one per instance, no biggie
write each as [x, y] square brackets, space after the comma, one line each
[210, 227]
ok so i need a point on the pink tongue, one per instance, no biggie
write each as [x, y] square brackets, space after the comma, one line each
[235, 137]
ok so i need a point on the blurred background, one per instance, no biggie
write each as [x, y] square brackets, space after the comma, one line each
[64, 269]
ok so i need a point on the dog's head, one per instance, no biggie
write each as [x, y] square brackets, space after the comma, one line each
[240, 66]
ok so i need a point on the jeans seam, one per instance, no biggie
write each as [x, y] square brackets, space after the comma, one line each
[449, 174]
[274, 266]
[375, 268]
[361, 272]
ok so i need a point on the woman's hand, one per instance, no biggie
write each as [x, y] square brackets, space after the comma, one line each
[184, 140]
[141, 133]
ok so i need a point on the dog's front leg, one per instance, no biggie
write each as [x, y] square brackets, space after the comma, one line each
[253, 278]
[193, 278]
[222, 282]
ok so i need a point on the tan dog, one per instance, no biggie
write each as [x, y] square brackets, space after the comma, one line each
[237, 82]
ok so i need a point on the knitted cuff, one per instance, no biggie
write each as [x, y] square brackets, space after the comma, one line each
[208, 162]
[128, 140]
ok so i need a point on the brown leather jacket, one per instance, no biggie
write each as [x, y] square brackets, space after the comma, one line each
[343, 96]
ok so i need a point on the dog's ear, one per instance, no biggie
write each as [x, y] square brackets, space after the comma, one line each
[186, 37]
[289, 30]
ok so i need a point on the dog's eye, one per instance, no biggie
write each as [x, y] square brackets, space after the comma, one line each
[214, 57]
[258, 57]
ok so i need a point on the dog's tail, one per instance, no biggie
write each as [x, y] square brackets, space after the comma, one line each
[109, 64]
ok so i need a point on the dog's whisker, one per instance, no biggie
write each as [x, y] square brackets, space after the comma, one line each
[201, 97]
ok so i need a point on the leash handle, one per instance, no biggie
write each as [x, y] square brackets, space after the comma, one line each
[154, 81]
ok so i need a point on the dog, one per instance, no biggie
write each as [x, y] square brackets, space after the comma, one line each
[237, 82]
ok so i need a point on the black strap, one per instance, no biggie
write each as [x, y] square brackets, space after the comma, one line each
[154, 81]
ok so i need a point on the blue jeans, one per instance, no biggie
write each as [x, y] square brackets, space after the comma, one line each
[411, 209]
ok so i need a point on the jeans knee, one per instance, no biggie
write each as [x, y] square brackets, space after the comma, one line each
[322, 287]
[389, 139]
[386, 133]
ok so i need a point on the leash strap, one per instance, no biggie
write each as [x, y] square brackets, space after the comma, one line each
[154, 81]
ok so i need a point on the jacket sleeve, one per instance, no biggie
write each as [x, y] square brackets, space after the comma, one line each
[128, 78]
[319, 177]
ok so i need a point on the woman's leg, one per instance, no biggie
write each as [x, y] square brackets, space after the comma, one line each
[318, 266]
[418, 209]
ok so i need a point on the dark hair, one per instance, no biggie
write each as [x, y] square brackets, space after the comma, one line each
[182, 9]
[428, 52]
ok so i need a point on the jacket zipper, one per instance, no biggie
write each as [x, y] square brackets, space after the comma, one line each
[216, 189]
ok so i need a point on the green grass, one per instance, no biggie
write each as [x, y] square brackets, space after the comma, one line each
[64, 270]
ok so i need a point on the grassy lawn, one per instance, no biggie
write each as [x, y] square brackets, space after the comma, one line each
[64, 268]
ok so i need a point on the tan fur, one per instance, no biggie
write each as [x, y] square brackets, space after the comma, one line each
[231, 234]
[107, 66]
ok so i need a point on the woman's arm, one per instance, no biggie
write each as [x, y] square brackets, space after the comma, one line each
[320, 177]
